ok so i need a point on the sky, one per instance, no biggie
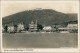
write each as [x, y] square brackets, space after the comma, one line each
[9, 8]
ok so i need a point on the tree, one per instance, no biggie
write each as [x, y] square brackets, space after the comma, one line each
[27, 28]
[15, 28]
[6, 28]
[39, 27]
[56, 28]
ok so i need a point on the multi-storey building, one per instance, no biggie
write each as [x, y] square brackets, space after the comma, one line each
[33, 26]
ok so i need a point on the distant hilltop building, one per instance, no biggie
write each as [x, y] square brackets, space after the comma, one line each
[33, 26]
[38, 9]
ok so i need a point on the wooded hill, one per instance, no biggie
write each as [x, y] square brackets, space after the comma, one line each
[44, 17]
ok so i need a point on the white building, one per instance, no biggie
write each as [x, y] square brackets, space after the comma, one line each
[72, 26]
[63, 28]
[47, 28]
[33, 26]
[20, 27]
[11, 29]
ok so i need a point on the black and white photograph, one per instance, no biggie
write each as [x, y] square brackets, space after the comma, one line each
[40, 24]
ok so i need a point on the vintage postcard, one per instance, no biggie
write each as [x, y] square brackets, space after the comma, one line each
[40, 26]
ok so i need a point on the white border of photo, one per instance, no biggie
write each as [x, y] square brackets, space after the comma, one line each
[57, 50]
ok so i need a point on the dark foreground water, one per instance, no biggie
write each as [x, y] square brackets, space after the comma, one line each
[39, 40]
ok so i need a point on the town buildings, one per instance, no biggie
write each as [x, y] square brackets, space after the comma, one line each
[33, 26]
[71, 27]
[15, 28]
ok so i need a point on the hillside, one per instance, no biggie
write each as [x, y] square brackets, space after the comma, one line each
[44, 17]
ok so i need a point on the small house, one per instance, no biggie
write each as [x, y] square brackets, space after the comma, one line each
[10, 29]
[47, 28]
[73, 28]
